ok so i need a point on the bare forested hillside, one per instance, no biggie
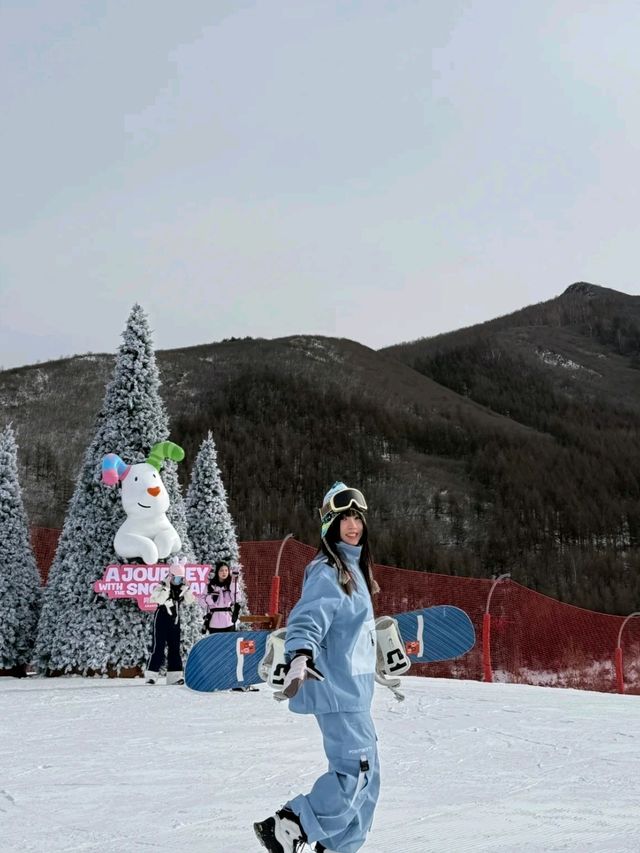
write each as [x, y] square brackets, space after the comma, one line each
[509, 446]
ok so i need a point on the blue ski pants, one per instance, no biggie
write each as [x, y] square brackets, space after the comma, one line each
[338, 811]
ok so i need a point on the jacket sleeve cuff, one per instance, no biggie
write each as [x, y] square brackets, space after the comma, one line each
[291, 655]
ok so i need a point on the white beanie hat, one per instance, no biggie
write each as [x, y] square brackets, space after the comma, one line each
[177, 570]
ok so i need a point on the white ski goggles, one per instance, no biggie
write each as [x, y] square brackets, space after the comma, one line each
[343, 501]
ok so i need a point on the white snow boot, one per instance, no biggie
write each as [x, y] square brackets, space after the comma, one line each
[151, 677]
[175, 677]
[282, 833]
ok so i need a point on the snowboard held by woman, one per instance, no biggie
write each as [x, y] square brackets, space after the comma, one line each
[330, 648]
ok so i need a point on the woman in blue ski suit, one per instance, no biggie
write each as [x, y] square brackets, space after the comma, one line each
[330, 647]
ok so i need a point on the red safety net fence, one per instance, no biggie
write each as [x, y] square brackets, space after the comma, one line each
[44, 541]
[526, 638]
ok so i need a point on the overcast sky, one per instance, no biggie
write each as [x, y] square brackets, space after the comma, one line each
[374, 170]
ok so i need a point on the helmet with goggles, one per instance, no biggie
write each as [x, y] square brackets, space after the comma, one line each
[340, 498]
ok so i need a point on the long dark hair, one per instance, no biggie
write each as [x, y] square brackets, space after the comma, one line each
[328, 547]
[214, 577]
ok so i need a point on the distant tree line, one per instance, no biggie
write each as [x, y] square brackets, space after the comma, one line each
[558, 507]
[562, 503]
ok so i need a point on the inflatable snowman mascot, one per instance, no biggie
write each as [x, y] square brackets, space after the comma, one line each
[147, 533]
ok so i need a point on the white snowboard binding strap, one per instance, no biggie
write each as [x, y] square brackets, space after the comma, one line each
[273, 666]
[391, 657]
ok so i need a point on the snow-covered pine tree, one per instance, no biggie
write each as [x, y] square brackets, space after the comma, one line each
[19, 577]
[211, 529]
[80, 631]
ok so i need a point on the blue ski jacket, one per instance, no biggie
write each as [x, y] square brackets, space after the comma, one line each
[339, 630]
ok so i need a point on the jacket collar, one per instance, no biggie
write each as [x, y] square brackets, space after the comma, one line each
[351, 553]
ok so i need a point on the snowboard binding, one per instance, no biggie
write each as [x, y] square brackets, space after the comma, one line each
[391, 657]
[273, 666]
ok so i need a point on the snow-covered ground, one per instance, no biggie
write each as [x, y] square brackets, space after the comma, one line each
[112, 766]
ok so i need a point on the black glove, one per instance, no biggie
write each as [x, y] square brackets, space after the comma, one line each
[235, 613]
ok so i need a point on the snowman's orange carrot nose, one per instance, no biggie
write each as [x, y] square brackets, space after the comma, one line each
[154, 492]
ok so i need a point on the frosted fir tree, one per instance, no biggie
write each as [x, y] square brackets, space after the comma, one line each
[211, 529]
[79, 630]
[19, 576]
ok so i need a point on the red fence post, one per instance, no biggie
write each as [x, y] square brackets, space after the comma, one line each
[274, 595]
[486, 631]
[619, 670]
[618, 655]
[486, 647]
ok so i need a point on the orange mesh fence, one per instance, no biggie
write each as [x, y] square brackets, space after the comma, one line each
[529, 638]
[533, 639]
[538, 640]
[44, 541]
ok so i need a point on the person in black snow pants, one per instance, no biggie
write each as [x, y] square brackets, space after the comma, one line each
[330, 649]
[170, 596]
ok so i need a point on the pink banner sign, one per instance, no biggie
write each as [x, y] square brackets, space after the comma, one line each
[136, 581]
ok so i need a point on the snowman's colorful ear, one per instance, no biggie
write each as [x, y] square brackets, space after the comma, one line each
[113, 469]
[164, 450]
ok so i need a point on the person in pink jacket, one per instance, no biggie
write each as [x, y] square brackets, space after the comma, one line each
[222, 600]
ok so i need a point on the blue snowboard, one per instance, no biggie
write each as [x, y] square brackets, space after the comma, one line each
[228, 660]
[224, 661]
[436, 633]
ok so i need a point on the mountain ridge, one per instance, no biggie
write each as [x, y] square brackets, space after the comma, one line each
[510, 445]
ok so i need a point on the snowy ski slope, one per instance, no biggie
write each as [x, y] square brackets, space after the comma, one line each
[114, 766]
